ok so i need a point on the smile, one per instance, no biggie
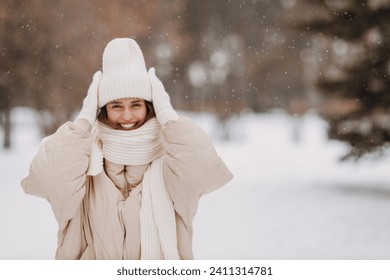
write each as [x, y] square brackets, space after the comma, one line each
[127, 125]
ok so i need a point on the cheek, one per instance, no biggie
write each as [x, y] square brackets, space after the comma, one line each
[112, 116]
[141, 114]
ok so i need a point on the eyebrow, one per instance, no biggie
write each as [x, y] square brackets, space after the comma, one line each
[120, 102]
[137, 101]
[114, 102]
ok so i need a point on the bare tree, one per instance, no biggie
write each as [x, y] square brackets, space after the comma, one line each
[220, 56]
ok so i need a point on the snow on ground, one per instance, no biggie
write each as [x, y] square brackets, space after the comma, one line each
[290, 197]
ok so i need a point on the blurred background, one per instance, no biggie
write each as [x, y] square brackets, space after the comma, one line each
[285, 88]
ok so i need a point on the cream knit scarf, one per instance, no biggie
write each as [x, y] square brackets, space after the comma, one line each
[138, 147]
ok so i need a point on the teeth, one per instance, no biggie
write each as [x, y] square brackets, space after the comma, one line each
[127, 126]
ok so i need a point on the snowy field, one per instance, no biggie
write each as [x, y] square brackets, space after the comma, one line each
[290, 198]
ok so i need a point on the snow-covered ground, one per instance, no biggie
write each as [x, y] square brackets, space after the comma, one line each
[290, 197]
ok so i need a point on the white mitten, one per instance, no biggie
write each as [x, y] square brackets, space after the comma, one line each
[90, 102]
[161, 101]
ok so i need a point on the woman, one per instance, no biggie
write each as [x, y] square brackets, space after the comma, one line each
[127, 185]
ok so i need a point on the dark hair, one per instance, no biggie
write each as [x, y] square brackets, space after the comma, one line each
[103, 117]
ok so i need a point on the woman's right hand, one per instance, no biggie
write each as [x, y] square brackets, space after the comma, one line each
[90, 102]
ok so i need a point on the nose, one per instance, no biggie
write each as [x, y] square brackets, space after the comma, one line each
[127, 114]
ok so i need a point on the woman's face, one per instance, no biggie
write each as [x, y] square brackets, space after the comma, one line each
[126, 113]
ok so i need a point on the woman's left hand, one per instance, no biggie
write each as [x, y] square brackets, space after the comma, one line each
[160, 98]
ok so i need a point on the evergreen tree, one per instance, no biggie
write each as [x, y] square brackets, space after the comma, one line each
[349, 65]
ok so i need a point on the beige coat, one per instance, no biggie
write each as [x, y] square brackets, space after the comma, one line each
[96, 221]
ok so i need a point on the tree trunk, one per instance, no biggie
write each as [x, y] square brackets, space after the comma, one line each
[7, 128]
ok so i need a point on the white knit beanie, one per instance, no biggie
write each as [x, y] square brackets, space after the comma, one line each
[124, 72]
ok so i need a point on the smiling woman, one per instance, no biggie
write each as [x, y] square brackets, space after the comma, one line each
[126, 186]
[126, 113]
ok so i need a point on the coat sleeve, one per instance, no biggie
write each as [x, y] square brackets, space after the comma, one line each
[58, 171]
[192, 166]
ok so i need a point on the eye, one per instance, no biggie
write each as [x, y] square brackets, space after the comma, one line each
[116, 106]
[137, 105]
